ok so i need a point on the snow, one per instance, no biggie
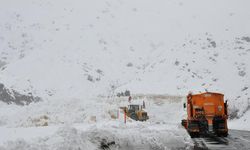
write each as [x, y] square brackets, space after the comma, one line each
[73, 132]
[76, 55]
[242, 123]
[54, 53]
[130, 136]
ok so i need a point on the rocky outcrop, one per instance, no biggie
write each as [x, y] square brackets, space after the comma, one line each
[11, 96]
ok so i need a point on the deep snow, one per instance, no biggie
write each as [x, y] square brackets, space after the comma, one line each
[76, 55]
[73, 131]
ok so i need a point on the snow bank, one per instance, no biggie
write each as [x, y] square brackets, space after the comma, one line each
[109, 135]
[241, 123]
[63, 139]
[56, 111]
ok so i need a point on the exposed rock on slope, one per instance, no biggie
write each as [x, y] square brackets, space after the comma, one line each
[11, 96]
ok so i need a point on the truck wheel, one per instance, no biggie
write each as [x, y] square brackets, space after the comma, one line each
[194, 135]
[224, 134]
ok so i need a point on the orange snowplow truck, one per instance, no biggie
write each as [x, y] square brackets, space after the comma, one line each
[206, 114]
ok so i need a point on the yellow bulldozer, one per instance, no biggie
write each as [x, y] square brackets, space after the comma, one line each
[135, 112]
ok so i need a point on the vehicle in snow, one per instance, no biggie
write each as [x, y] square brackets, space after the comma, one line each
[135, 112]
[206, 114]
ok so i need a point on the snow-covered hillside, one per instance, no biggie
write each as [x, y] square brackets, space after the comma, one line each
[70, 49]
[70, 52]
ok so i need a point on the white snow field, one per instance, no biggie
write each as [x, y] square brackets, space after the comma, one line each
[77, 55]
[25, 130]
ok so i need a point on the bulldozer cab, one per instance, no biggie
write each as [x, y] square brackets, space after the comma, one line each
[133, 108]
[137, 113]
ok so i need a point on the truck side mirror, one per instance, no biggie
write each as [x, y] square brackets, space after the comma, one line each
[184, 105]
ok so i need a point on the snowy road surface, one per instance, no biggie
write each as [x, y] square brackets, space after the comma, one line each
[237, 140]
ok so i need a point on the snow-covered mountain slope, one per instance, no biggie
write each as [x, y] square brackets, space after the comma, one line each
[76, 49]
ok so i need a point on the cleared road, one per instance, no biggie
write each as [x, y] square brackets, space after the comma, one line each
[236, 140]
